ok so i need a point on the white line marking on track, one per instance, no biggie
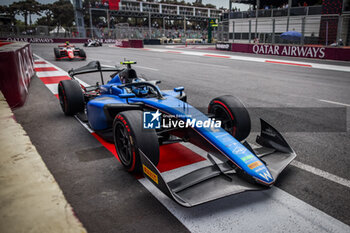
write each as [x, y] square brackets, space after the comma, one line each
[321, 173]
[84, 124]
[200, 64]
[53, 87]
[333, 102]
[254, 59]
[42, 65]
[98, 59]
[147, 68]
[51, 73]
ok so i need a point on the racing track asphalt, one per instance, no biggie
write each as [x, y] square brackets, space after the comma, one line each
[107, 199]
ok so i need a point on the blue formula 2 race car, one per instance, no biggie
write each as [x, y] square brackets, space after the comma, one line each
[137, 117]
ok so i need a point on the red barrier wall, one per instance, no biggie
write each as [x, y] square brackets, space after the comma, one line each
[319, 52]
[129, 43]
[54, 40]
[16, 69]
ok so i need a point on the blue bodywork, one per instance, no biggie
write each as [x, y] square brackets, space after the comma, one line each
[224, 142]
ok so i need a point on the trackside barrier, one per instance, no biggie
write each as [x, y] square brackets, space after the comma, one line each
[16, 69]
[54, 40]
[319, 52]
[152, 41]
[129, 43]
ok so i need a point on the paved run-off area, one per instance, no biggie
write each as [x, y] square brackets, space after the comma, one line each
[107, 199]
[30, 199]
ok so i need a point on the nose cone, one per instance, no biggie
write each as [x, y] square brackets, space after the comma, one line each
[264, 175]
[70, 54]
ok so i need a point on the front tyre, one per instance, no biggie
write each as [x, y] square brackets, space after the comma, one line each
[71, 97]
[129, 137]
[233, 115]
[57, 53]
[82, 54]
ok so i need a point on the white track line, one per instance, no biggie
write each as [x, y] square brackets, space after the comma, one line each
[333, 102]
[253, 59]
[321, 173]
[147, 68]
[41, 74]
[63, 73]
[53, 87]
[86, 126]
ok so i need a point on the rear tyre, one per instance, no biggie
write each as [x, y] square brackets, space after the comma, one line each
[57, 53]
[82, 54]
[129, 137]
[71, 97]
[233, 115]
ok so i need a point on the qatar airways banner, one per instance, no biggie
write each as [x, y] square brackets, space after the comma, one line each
[318, 52]
[54, 40]
[292, 51]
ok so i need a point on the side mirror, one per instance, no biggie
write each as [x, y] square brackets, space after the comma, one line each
[179, 89]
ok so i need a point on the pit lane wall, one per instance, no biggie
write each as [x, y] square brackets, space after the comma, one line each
[318, 52]
[16, 69]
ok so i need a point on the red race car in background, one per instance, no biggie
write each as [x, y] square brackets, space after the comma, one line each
[67, 51]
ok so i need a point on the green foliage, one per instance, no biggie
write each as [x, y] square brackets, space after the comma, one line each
[26, 8]
[59, 13]
[63, 13]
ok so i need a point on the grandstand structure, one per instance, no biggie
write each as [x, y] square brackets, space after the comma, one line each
[324, 24]
[156, 10]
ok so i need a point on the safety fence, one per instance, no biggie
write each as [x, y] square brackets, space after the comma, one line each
[328, 30]
[117, 32]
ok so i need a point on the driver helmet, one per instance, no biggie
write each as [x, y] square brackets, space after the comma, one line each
[67, 42]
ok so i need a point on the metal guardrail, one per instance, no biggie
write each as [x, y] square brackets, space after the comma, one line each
[119, 32]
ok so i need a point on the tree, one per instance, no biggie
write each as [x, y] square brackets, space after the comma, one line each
[7, 11]
[47, 19]
[210, 6]
[63, 13]
[26, 8]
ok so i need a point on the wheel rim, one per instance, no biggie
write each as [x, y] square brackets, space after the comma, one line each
[227, 123]
[122, 144]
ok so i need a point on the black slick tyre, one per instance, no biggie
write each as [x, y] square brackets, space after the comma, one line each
[129, 137]
[57, 53]
[233, 115]
[82, 54]
[71, 97]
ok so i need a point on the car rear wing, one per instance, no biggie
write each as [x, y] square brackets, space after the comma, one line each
[94, 66]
